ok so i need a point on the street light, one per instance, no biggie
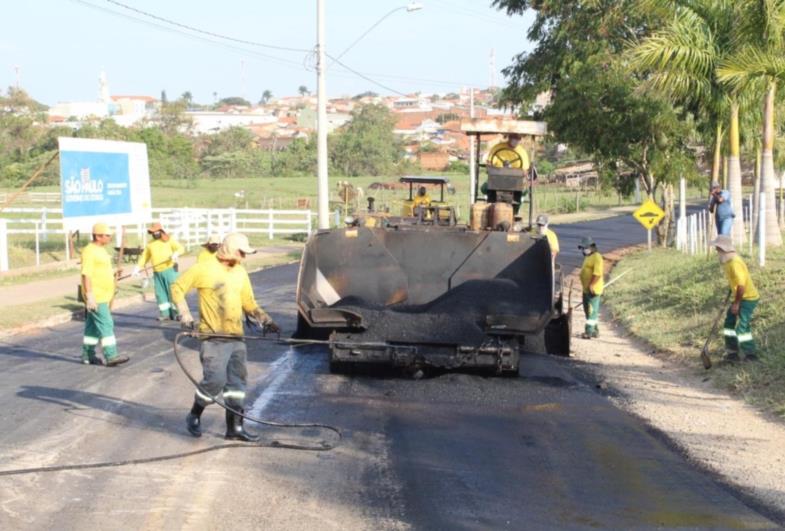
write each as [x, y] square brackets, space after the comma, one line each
[410, 8]
[321, 103]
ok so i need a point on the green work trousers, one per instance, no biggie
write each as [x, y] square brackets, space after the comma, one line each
[163, 292]
[224, 372]
[99, 327]
[591, 307]
[738, 329]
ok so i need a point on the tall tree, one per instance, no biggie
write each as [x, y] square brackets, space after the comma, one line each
[762, 27]
[682, 58]
[187, 98]
[267, 95]
[303, 90]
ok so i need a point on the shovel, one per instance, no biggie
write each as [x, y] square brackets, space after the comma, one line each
[705, 350]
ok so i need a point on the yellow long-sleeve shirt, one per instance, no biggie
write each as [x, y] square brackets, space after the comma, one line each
[738, 275]
[97, 266]
[503, 154]
[205, 256]
[593, 266]
[159, 254]
[224, 294]
[553, 240]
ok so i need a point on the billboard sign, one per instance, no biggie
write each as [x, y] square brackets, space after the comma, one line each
[103, 180]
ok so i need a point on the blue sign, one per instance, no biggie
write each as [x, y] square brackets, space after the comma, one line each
[94, 183]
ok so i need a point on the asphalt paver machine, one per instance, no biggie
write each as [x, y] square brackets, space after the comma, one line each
[415, 293]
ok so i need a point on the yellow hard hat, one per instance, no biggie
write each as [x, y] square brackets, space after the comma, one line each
[102, 228]
[232, 244]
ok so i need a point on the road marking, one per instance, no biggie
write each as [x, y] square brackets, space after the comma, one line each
[284, 364]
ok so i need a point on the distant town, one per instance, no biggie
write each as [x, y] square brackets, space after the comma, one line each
[427, 123]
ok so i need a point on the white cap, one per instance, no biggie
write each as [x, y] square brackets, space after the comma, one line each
[232, 245]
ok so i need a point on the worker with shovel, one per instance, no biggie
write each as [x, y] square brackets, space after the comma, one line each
[737, 329]
[163, 253]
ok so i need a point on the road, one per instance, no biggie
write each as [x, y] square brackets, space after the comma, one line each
[458, 451]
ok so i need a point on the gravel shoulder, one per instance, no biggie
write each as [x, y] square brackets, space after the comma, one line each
[716, 431]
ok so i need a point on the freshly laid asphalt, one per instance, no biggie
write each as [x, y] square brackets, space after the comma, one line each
[544, 450]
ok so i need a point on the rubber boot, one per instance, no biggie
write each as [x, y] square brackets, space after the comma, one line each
[235, 430]
[194, 420]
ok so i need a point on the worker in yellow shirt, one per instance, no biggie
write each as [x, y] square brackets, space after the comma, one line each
[509, 154]
[225, 297]
[543, 230]
[210, 248]
[162, 252]
[737, 329]
[592, 283]
[421, 202]
[98, 286]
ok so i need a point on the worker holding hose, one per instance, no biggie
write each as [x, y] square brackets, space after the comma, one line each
[225, 297]
[737, 329]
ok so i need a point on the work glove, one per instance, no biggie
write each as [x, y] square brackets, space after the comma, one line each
[136, 272]
[269, 326]
[187, 322]
[90, 303]
[175, 257]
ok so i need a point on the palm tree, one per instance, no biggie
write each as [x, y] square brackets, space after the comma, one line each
[761, 60]
[303, 90]
[682, 59]
[187, 98]
[266, 96]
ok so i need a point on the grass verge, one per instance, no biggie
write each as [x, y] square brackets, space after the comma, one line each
[670, 300]
[20, 315]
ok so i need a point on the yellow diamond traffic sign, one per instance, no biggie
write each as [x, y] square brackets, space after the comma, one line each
[649, 214]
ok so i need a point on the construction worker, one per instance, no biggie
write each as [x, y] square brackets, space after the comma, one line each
[162, 252]
[210, 248]
[98, 287]
[720, 206]
[737, 329]
[422, 198]
[225, 294]
[543, 230]
[592, 282]
[509, 154]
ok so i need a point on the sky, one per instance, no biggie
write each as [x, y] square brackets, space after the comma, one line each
[61, 46]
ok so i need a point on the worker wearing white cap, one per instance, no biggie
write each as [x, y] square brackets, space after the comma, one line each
[737, 329]
[225, 296]
[98, 287]
[553, 240]
[210, 248]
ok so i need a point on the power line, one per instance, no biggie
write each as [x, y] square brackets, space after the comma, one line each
[205, 32]
[280, 60]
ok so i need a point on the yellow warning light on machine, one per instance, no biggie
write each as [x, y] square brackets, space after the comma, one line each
[649, 214]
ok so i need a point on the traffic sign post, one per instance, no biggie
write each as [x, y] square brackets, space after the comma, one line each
[649, 214]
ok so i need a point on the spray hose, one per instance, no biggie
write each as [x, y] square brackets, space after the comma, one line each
[321, 447]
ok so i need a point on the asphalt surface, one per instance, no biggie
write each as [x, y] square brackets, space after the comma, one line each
[456, 451]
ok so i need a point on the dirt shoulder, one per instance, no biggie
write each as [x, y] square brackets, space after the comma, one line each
[716, 430]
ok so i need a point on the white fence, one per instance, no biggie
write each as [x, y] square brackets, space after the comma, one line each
[32, 197]
[190, 226]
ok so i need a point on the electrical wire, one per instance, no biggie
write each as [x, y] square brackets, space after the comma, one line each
[205, 32]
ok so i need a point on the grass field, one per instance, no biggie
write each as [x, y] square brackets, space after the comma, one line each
[670, 300]
[284, 193]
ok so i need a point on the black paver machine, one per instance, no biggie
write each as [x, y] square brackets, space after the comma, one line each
[426, 290]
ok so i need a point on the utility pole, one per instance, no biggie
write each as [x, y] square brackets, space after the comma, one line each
[472, 155]
[321, 120]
